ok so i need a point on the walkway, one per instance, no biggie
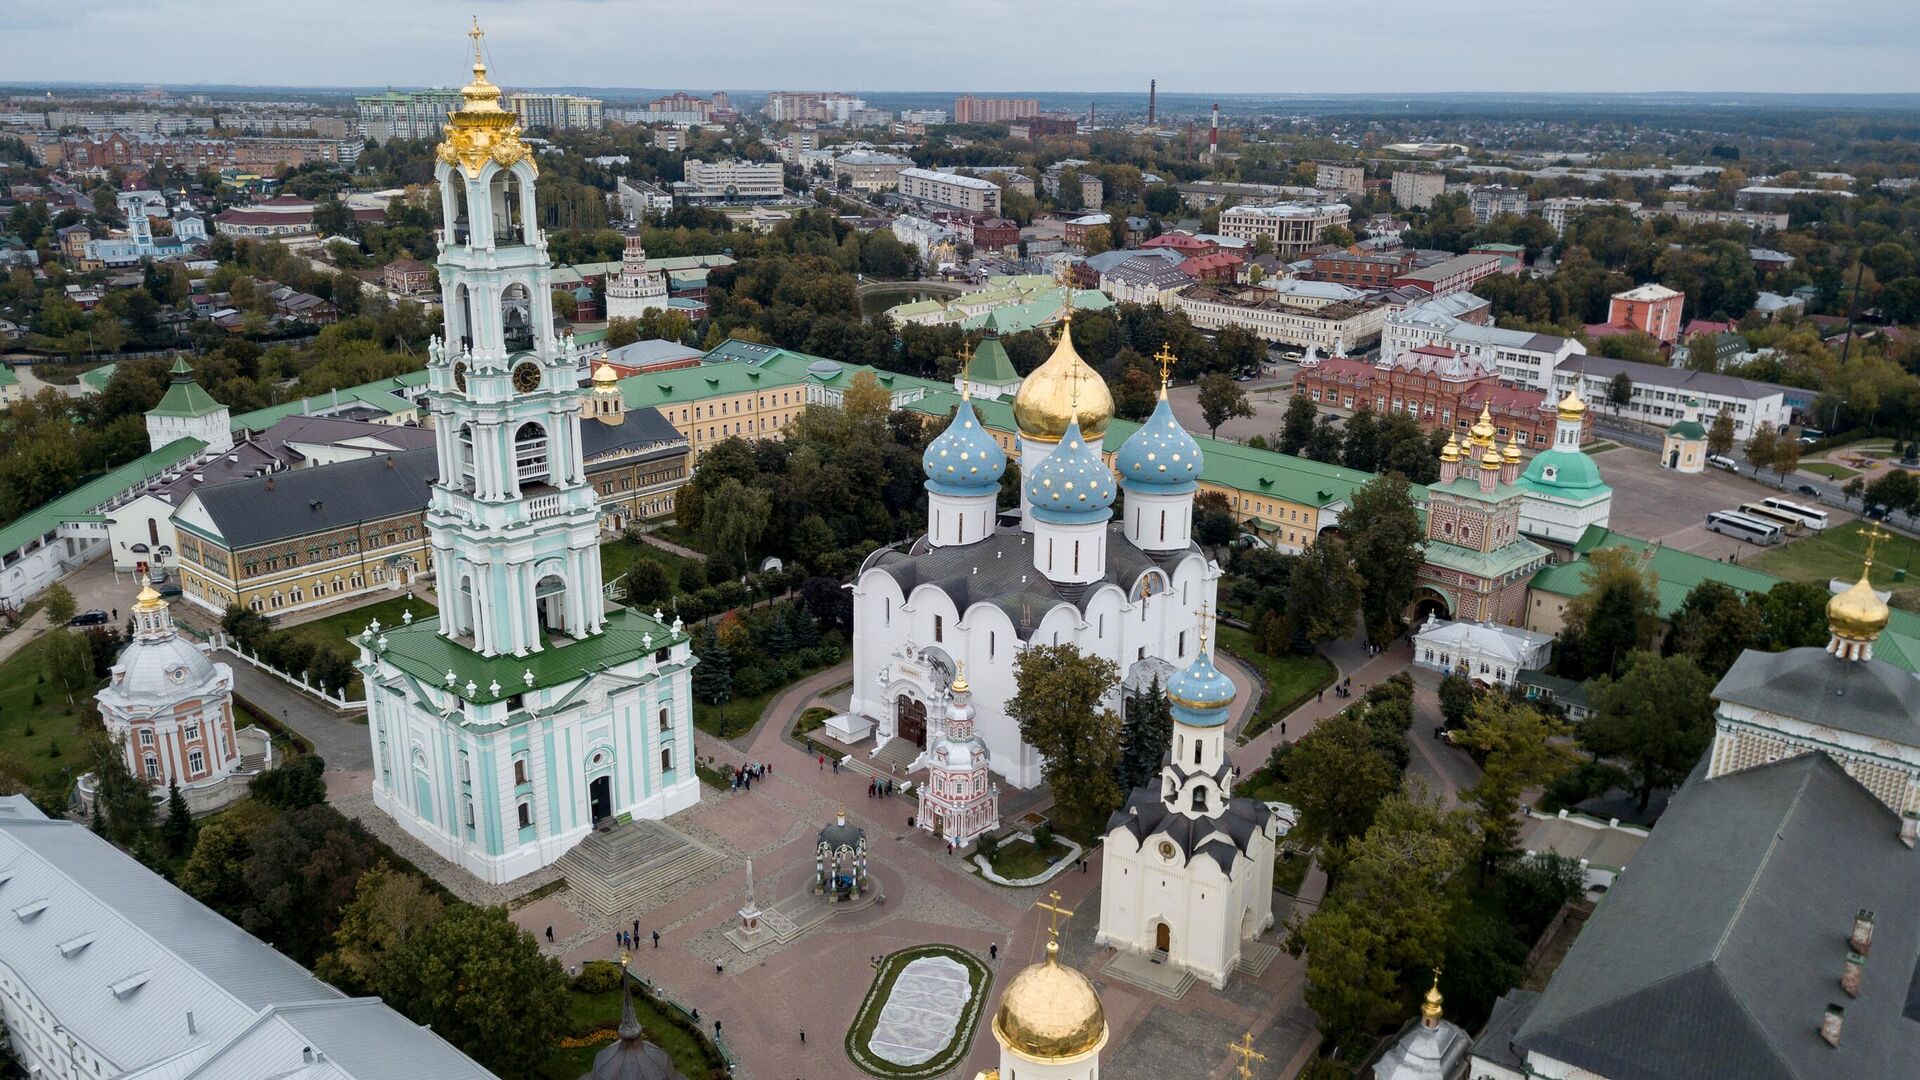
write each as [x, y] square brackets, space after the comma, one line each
[341, 742]
[672, 548]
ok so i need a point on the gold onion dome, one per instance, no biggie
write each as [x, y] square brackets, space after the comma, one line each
[1046, 402]
[148, 601]
[604, 375]
[1857, 614]
[1482, 431]
[480, 130]
[1430, 1005]
[1511, 452]
[1451, 451]
[1571, 407]
[1491, 459]
[1050, 1012]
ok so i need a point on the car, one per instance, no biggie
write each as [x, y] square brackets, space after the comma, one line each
[90, 617]
[1806, 440]
[1809, 489]
[1877, 513]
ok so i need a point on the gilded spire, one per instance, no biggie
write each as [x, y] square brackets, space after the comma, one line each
[1167, 360]
[966, 362]
[1430, 1005]
[148, 601]
[480, 130]
[1451, 451]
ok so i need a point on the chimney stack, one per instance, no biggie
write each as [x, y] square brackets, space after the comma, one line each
[1851, 974]
[1830, 1024]
[1862, 939]
[1153, 99]
[1213, 135]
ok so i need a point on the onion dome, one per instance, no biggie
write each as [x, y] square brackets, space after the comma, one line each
[1050, 1012]
[1571, 407]
[1161, 456]
[964, 459]
[1858, 614]
[1200, 693]
[480, 130]
[1483, 431]
[1511, 451]
[1491, 459]
[1060, 391]
[1450, 452]
[1430, 1004]
[605, 376]
[1072, 486]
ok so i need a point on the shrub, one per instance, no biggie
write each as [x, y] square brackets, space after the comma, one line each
[597, 977]
[986, 845]
[1042, 837]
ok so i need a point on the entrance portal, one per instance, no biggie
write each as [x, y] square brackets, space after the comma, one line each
[910, 720]
[1673, 459]
[1163, 938]
[600, 798]
[1428, 601]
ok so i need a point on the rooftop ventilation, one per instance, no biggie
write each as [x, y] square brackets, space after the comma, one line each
[28, 912]
[73, 947]
[126, 987]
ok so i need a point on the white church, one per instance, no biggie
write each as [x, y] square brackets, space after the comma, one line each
[527, 711]
[635, 288]
[975, 591]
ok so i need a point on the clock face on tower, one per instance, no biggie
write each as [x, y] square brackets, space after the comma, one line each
[526, 378]
[460, 377]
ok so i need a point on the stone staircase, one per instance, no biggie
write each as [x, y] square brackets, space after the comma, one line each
[630, 867]
[1154, 976]
[253, 762]
[898, 754]
[1256, 957]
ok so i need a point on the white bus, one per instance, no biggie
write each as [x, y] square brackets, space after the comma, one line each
[1745, 527]
[1789, 524]
[1810, 517]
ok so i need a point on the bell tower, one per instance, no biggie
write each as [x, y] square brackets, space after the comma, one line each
[514, 524]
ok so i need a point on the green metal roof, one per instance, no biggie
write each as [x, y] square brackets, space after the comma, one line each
[387, 395]
[7, 377]
[80, 503]
[98, 378]
[1018, 318]
[1688, 429]
[1574, 474]
[421, 652]
[657, 389]
[991, 364]
[184, 397]
[1497, 563]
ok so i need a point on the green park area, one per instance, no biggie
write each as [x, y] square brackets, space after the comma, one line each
[341, 625]
[1836, 554]
[596, 1021]
[1829, 470]
[1018, 859]
[619, 556]
[40, 741]
[1291, 678]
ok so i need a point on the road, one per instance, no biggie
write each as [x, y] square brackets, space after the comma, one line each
[340, 741]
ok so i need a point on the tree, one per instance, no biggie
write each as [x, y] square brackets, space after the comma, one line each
[1387, 540]
[1058, 707]
[178, 829]
[1793, 615]
[61, 607]
[622, 331]
[1656, 719]
[713, 676]
[1855, 488]
[646, 582]
[1714, 625]
[1221, 399]
[1786, 458]
[1339, 778]
[389, 907]
[734, 517]
[1145, 738]
[300, 876]
[1523, 749]
[1297, 428]
[480, 982]
[292, 785]
[1457, 697]
[124, 801]
[216, 872]
[1703, 351]
[1762, 447]
[67, 662]
[1618, 613]
[1720, 435]
[1895, 489]
[1323, 592]
[865, 397]
[1620, 391]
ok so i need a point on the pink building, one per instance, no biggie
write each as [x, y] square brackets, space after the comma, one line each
[1653, 309]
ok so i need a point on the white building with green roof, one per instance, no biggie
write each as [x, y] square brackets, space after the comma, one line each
[528, 711]
[1565, 495]
[187, 411]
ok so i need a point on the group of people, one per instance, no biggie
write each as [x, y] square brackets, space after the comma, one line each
[879, 788]
[745, 775]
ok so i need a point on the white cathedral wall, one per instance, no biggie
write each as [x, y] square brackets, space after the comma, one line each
[1200, 906]
[1745, 737]
[1562, 521]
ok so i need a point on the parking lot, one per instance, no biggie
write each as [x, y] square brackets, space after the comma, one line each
[1653, 503]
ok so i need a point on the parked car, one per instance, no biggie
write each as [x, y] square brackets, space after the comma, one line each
[1720, 461]
[90, 617]
[1877, 513]
[1809, 489]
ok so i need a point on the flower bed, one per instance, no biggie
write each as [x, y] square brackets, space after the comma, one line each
[911, 1028]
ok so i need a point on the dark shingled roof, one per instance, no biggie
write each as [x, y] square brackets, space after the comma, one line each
[1872, 698]
[1717, 952]
[991, 572]
[302, 501]
[1495, 1043]
[1147, 817]
[640, 428]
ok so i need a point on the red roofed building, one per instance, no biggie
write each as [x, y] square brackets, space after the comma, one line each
[995, 234]
[287, 215]
[1184, 243]
[1213, 266]
[1436, 386]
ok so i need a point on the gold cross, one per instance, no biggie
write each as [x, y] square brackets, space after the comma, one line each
[966, 362]
[1206, 619]
[1247, 1055]
[1058, 913]
[1167, 360]
[1874, 534]
[476, 34]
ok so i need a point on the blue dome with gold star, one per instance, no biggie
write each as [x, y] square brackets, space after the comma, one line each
[964, 459]
[1161, 456]
[1201, 693]
[1073, 486]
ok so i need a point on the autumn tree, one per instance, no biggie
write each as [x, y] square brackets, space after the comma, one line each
[1221, 399]
[1523, 748]
[1762, 447]
[61, 607]
[1720, 435]
[1059, 705]
[389, 907]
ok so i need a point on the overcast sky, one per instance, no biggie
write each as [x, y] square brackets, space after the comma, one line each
[1222, 46]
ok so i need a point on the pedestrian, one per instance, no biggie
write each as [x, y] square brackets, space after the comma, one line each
[836, 765]
[716, 1028]
[636, 929]
[1283, 729]
[718, 968]
[1321, 696]
[909, 821]
[116, 614]
[803, 1036]
[823, 763]
[656, 939]
[993, 951]
[696, 1016]
[549, 935]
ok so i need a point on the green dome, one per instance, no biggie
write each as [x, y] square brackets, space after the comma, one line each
[1562, 470]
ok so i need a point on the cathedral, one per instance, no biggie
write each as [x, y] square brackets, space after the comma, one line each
[1188, 874]
[528, 710]
[1564, 492]
[1477, 562]
[977, 588]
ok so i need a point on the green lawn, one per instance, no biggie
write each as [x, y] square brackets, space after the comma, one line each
[336, 628]
[1291, 678]
[739, 714]
[1017, 860]
[617, 556]
[1829, 470]
[1837, 553]
[1290, 870]
[691, 1055]
[53, 726]
[810, 721]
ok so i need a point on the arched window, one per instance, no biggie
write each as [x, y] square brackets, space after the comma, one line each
[519, 772]
[1200, 798]
[666, 759]
[516, 317]
[1198, 749]
[526, 815]
[466, 463]
[530, 453]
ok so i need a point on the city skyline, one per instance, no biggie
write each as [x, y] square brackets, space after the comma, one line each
[1709, 46]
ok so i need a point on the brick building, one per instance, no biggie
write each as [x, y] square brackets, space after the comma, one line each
[1454, 275]
[1436, 386]
[968, 109]
[1361, 268]
[1652, 309]
[995, 234]
[1477, 563]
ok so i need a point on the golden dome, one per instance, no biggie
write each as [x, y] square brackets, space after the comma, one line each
[1491, 459]
[604, 375]
[1050, 1012]
[1451, 451]
[1511, 452]
[1483, 431]
[480, 130]
[1571, 407]
[1857, 614]
[148, 601]
[1430, 1008]
[1046, 402]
